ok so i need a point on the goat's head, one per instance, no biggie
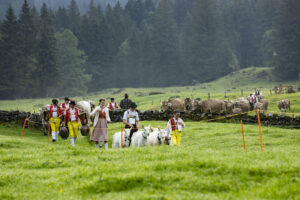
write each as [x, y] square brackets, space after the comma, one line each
[147, 130]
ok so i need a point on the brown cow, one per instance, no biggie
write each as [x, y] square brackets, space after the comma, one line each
[212, 106]
[44, 116]
[191, 104]
[283, 105]
[243, 105]
[173, 104]
[229, 106]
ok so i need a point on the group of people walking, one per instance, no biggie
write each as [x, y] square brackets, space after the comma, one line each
[66, 114]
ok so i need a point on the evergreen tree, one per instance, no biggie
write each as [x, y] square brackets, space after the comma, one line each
[71, 62]
[164, 45]
[287, 40]
[241, 28]
[11, 76]
[61, 19]
[74, 18]
[28, 50]
[205, 55]
[47, 57]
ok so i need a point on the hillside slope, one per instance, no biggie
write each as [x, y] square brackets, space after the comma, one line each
[245, 79]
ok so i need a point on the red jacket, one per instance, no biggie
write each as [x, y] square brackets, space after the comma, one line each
[173, 126]
[59, 112]
[68, 115]
[63, 105]
[111, 107]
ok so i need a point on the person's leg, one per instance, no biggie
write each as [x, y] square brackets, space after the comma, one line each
[71, 131]
[106, 145]
[57, 123]
[96, 144]
[52, 124]
[178, 138]
[101, 143]
[133, 130]
[75, 125]
[174, 139]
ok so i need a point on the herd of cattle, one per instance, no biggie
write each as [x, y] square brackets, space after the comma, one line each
[242, 105]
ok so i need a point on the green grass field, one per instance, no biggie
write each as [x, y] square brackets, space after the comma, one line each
[247, 79]
[210, 164]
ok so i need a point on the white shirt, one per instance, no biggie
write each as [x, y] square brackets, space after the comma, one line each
[67, 107]
[113, 104]
[54, 111]
[72, 114]
[177, 125]
[96, 114]
[131, 117]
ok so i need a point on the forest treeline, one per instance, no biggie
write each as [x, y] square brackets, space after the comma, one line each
[143, 43]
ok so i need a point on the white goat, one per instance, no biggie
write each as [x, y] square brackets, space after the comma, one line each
[139, 138]
[157, 137]
[117, 139]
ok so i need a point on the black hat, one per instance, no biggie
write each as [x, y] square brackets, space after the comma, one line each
[133, 105]
[176, 111]
[72, 103]
[67, 99]
[54, 101]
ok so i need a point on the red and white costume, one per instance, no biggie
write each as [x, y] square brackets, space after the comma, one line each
[112, 106]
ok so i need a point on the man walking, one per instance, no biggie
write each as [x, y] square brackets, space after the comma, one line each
[125, 103]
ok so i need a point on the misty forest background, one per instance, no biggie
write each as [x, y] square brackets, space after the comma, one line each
[72, 47]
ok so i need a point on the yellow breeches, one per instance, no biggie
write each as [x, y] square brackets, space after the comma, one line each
[54, 123]
[73, 129]
[176, 137]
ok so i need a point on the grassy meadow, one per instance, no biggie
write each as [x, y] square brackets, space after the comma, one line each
[247, 80]
[210, 164]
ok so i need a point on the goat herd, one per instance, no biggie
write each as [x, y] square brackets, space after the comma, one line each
[147, 137]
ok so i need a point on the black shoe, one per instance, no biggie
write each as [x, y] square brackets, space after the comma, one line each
[53, 140]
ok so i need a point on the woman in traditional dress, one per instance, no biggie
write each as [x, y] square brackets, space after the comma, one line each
[99, 133]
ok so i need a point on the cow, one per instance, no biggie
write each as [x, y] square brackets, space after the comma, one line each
[237, 111]
[44, 116]
[173, 104]
[212, 106]
[283, 105]
[265, 103]
[229, 106]
[243, 104]
[85, 108]
[191, 104]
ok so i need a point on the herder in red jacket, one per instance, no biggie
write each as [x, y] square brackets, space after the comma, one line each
[112, 105]
[72, 120]
[55, 114]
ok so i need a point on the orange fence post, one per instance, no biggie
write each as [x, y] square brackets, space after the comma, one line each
[259, 126]
[23, 128]
[121, 137]
[49, 133]
[243, 135]
[89, 123]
